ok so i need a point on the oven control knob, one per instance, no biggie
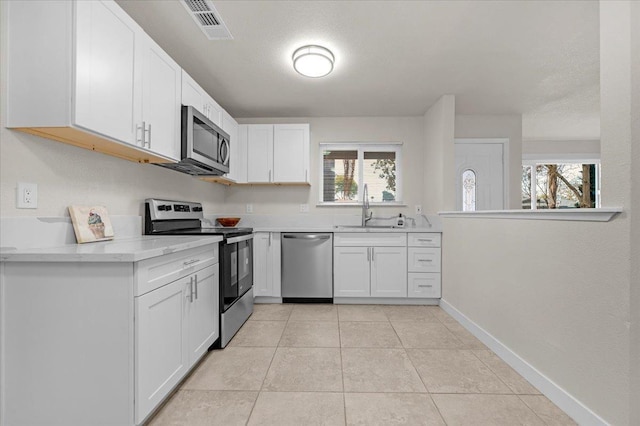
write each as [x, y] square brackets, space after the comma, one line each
[197, 209]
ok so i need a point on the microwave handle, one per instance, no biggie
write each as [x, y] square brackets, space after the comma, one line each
[224, 151]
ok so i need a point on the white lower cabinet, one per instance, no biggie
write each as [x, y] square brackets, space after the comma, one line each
[370, 266]
[351, 272]
[266, 264]
[161, 356]
[387, 265]
[424, 265]
[203, 313]
[424, 285]
[87, 343]
[388, 272]
[175, 326]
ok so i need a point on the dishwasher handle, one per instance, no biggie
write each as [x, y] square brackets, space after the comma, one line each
[312, 237]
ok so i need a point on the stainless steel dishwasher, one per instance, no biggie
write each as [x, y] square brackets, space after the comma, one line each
[307, 267]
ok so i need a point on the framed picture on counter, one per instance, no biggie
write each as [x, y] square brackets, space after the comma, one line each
[91, 223]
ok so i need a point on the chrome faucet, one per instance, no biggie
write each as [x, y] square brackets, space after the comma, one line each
[365, 206]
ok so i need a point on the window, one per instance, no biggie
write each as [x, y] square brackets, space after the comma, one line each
[560, 185]
[346, 168]
[468, 191]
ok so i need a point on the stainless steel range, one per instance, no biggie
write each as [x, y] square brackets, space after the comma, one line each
[164, 217]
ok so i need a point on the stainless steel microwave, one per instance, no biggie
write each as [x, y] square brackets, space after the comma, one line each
[205, 146]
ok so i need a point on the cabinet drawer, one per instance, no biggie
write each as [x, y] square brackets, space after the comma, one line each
[424, 239]
[158, 271]
[424, 285]
[424, 259]
[376, 239]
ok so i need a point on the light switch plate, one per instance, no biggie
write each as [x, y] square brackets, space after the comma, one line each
[304, 208]
[249, 208]
[418, 209]
[27, 196]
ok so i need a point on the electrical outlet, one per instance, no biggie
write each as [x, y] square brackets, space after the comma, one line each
[304, 208]
[418, 209]
[249, 208]
[27, 196]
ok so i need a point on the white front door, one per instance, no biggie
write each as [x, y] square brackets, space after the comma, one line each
[479, 175]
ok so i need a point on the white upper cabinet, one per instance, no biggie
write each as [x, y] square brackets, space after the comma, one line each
[230, 126]
[103, 78]
[105, 59]
[213, 111]
[278, 153]
[291, 153]
[194, 95]
[260, 153]
[160, 123]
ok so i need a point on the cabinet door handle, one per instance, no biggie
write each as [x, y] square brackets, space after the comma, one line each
[149, 138]
[426, 240]
[425, 260]
[373, 254]
[140, 129]
[270, 239]
[190, 262]
[196, 285]
[368, 255]
[425, 285]
[190, 295]
[269, 175]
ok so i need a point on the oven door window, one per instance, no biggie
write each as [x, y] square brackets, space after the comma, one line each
[205, 140]
[229, 282]
[245, 266]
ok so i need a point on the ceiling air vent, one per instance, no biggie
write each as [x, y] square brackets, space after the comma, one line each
[208, 19]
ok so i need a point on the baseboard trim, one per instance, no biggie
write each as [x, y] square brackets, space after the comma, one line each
[267, 299]
[569, 404]
[383, 301]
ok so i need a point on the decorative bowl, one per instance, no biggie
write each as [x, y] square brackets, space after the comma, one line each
[228, 221]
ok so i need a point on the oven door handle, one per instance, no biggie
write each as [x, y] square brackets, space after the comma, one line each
[238, 239]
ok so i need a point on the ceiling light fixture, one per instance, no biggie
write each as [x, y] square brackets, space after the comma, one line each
[313, 61]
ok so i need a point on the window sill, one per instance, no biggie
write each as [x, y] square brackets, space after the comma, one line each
[586, 215]
[371, 205]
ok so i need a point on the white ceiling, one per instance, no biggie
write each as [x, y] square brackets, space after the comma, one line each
[396, 58]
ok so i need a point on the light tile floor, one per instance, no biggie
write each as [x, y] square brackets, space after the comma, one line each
[355, 365]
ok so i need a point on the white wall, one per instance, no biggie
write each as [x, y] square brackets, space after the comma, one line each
[634, 390]
[558, 293]
[498, 126]
[439, 182]
[551, 148]
[287, 199]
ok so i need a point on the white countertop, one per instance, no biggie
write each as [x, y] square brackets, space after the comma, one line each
[342, 229]
[121, 250]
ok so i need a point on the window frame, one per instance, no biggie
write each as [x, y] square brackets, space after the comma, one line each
[361, 147]
[533, 161]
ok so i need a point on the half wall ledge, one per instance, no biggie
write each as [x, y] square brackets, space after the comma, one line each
[584, 215]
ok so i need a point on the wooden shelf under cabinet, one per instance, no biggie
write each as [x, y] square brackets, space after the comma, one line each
[83, 139]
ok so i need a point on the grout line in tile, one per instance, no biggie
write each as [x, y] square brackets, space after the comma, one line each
[474, 393]
[344, 398]
[417, 372]
[532, 410]
[437, 409]
[491, 369]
